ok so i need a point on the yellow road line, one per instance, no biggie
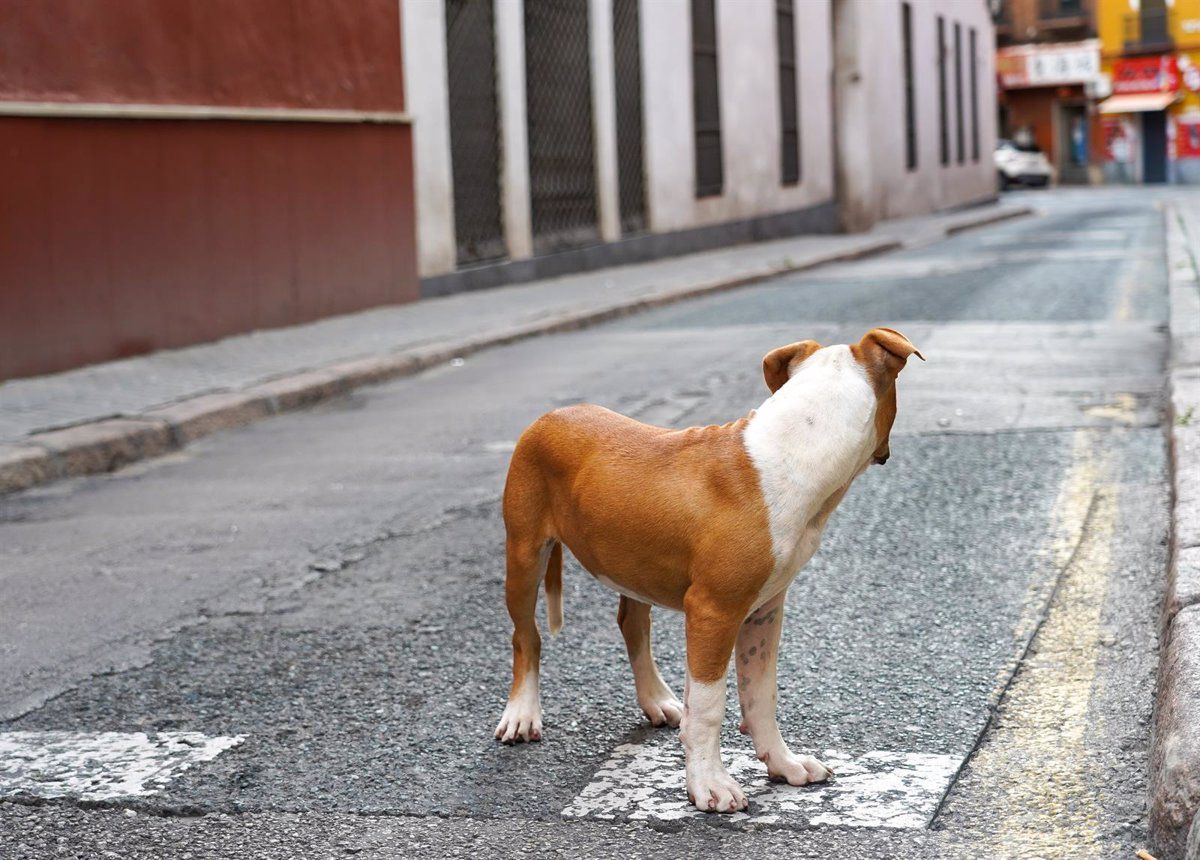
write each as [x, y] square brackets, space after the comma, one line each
[1031, 787]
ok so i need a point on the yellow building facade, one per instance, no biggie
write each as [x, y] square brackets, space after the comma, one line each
[1150, 83]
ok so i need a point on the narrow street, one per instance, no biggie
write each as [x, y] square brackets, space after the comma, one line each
[973, 647]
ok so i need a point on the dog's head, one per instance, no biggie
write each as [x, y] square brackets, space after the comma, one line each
[882, 352]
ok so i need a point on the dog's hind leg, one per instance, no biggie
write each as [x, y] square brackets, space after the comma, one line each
[522, 718]
[654, 697]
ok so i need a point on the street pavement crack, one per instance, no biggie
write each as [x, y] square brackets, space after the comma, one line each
[994, 706]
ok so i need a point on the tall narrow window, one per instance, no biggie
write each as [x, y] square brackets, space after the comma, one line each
[706, 99]
[627, 56]
[958, 93]
[943, 107]
[785, 32]
[974, 72]
[910, 108]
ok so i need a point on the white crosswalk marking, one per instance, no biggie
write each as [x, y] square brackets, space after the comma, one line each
[643, 782]
[100, 765]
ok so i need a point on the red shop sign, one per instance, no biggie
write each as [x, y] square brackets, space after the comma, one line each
[1158, 74]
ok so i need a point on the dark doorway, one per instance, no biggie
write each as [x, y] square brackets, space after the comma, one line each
[1154, 146]
[1073, 144]
[558, 99]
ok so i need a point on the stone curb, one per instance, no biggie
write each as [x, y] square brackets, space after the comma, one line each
[987, 218]
[1175, 745]
[109, 444]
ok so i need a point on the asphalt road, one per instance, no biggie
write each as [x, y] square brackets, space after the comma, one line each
[326, 588]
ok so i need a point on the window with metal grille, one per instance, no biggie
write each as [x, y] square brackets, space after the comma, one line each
[474, 130]
[706, 99]
[974, 98]
[558, 105]
[958, 92]
[943, 106]
[627, 61]
[910, 107]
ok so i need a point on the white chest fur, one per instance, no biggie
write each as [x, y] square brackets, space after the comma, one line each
[808, 442]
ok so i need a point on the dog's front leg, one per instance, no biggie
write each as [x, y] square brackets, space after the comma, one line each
[757, 654]
[711, 631]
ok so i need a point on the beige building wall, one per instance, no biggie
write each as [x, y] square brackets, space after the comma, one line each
[875, 180]
[859, 140]
[750, 124]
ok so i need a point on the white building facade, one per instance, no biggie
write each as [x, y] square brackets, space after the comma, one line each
[560, 135]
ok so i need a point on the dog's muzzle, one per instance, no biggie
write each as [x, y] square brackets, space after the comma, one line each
[879, 461]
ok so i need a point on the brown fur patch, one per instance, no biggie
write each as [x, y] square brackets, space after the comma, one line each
[780, 363]
[674, 516]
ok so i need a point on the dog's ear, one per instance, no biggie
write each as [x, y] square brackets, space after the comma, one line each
[884, 352]
[778, 364]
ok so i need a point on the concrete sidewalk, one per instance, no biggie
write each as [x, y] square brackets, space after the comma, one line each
[101, 417]
[1175, 754]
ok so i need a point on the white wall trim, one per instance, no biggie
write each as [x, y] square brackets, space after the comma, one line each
[427, 86]
[514, 134]
[105, 110]
[604, 118]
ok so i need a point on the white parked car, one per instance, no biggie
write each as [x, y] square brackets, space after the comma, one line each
[1021, 164]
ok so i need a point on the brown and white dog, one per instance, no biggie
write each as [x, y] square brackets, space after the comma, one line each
[713, 521]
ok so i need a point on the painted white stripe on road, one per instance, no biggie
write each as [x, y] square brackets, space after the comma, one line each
[100, 765]
[642, 782]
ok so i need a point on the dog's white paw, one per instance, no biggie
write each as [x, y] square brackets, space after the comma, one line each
[662, 709]
[785, 766]
[521, 721]
[715, 791]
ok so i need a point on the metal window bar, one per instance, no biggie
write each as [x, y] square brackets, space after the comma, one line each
[474, 131]
[558, 100]
[943, 107]
[789, 105]
[1150, 27]
[706, 101]
[958, 94]
[974, 71]
[1155, 23]
[910, 107]
[627, 72]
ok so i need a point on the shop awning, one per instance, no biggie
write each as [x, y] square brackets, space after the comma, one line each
[1136, 102]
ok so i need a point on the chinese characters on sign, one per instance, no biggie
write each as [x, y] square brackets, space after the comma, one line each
[1060, 67]
[1048, 65]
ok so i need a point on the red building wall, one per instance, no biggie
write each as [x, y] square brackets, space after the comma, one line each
[120, 236]
[298, 53]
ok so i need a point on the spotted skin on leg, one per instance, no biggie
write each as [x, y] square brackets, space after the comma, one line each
[756, 656]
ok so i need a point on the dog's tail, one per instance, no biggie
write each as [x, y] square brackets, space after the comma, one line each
[553, 581]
